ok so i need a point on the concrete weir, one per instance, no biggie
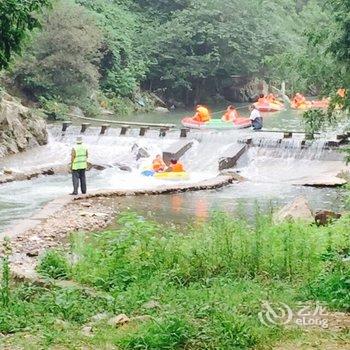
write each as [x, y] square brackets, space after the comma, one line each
[176, 150]
[231, 157]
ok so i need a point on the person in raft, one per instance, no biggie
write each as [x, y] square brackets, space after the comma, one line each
[231, 114]
[262, 99]
[256, 118]
[299, 100]
[158, 164]
[175, 166]
[202, 114]
[79, 156]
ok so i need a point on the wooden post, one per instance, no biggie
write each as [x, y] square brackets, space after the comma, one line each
[184, 132]
[84, 126]
[104, 128]
[65, 126]
[287, 135]
[124, 129]
[162, 132]
[143, 130]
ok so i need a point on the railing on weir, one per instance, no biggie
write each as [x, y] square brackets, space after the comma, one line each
[165, 127]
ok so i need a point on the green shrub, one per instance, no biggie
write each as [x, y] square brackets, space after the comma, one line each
[54, 265]
[333, 286]
[170, 332]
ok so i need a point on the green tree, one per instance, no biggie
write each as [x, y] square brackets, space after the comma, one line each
[205, 44]
[16, 19]
[63, 60]
[124, 62]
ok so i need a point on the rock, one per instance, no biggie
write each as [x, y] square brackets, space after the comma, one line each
[7, 171]
[125, 168]
[85, 213]
[100, 317]
[96, 167]
[85, 204]
[244, 89]
[299, 209]
[33, 253]
[87, 331]
[161, 110]
[119, 320]
[76, 111]
[20, 128]
[323, 217]
[139, 152]
[235, 176]
[105, 111]
[152, 304]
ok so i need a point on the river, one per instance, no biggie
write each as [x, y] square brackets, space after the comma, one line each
[270, 174]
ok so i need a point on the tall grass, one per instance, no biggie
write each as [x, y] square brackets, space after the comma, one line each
[208, 282]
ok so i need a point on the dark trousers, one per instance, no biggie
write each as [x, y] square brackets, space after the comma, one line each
[79, 176]
[257, 124]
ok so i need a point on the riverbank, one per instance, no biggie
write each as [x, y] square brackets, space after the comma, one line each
[51, 226]
[217, 285]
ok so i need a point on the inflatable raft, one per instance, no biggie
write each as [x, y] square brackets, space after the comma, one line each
[269, 107]
[240, 123]
[311, 104]
[171, 176]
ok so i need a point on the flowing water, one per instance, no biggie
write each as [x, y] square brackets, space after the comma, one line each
[270, 169]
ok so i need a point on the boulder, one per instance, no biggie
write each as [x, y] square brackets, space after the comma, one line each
[139, 152]
[76, 111]
[8, 171]
[244, 89]
[161, 110]
[324, 217]
[299, 209]
[20, 128]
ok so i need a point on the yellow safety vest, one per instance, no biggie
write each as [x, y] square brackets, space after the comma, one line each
[80, 160]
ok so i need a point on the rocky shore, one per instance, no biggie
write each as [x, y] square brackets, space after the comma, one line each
[20, 128]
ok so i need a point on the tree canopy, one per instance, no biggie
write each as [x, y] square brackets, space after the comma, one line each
[16, 18]
[188, 50]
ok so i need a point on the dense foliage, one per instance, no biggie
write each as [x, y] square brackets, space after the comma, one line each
[184, 50]
[16, 18]
[63, 60]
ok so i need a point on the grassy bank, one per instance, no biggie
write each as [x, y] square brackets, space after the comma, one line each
[198, 288]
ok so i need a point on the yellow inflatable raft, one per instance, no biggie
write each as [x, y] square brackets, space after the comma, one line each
[172, 176]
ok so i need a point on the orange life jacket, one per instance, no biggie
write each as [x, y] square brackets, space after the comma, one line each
[230, 116]
[202, 114]
[177, 168]
[261, 100]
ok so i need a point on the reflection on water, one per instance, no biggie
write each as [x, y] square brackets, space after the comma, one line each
[197, 206]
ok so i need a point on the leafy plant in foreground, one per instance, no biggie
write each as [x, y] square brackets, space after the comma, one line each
[54, 265]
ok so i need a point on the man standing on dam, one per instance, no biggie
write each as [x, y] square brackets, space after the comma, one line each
[79, 156]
